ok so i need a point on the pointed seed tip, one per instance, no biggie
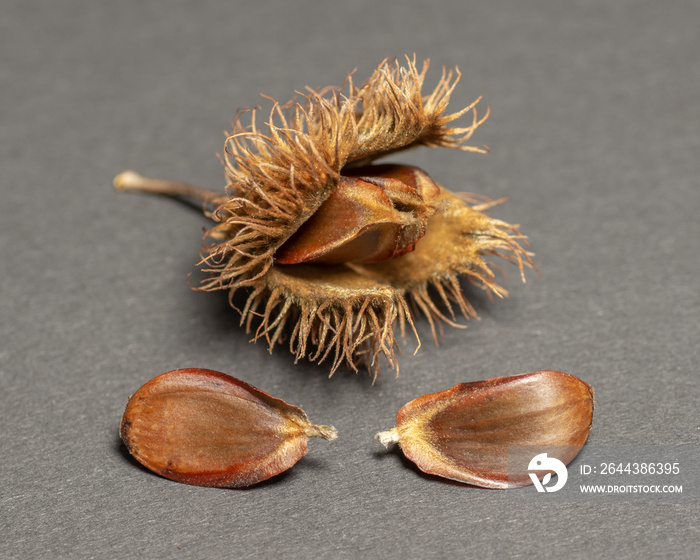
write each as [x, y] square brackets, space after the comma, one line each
[388, 437]
[328, 433]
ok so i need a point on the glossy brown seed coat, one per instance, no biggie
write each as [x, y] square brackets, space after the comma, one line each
[207, 428]
[378, 213]
[464, 433]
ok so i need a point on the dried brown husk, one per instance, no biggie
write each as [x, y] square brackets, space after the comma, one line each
[279, 178]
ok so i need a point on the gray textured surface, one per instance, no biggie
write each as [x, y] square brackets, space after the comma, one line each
[595, 137]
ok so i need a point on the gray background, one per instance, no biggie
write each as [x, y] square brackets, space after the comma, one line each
[595, 138]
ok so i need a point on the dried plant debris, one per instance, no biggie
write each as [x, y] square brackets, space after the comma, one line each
[206, 428]
[467, 433]
[337, 252]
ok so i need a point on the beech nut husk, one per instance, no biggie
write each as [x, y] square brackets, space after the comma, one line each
[206, 428]
[334, 252]
[468, 433]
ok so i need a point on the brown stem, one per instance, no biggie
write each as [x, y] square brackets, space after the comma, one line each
[132, 181]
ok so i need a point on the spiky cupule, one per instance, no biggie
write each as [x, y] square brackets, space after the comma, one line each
[280, 178]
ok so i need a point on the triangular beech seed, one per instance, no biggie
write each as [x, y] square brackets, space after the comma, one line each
[468, 433]
[207, 428]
